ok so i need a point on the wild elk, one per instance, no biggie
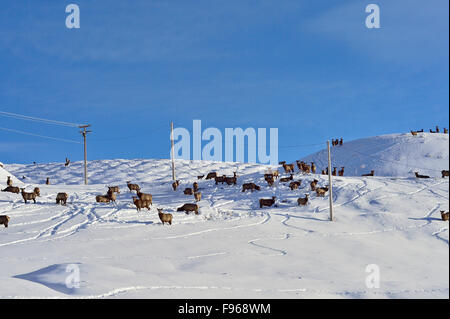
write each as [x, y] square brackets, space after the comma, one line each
[445, 131]
[133, 187]
[62, 198]
[313, 167]
[67, 162]
[341, 141]
[372, 172]
[267, 202]
[28, 196]
[4, 220]
[114, 189]
[175, 185]
[220, 179]
[421, 176]
[341, 171]
[445, 173]
[109, 197]
[320, 191]
[413, 133]
[334, 171]
[9, 181]
[164, 218]
[287, 179]
[188, 191]
[250, 186]
[295, 185]
[444, 215]
[288, 168]
[200, 176]
[145, 197]
[140, 203]
[47, 182]
[188, 208]
[198, 196]
[231, 180]
[211, 175]
[313, 184]
[195, 187]
[270, 181]
[37, 191]
[11, 189]
[303, 201]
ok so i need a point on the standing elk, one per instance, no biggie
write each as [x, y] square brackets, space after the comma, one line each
[266, 202]
[164, 218]
[303, 201]
[4, 220]
[62, 198]
[133, 187]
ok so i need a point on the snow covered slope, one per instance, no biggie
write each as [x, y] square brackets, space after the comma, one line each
[389, 155]
[233, 248]
[4, 175]
[122, 170]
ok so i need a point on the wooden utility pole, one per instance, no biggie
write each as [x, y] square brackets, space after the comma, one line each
[330, 187]
[84, 133]
[172, 152]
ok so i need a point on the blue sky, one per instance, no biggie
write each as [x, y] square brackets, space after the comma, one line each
[310, 68]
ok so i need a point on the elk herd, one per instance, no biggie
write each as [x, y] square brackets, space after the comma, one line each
[415, 133]
[145, 200]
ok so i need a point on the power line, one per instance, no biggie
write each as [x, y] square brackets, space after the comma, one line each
[37, 119]
[37, 135]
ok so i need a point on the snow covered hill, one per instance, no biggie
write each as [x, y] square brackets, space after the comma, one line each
[389, 155]
[232, 248]
[4, 175]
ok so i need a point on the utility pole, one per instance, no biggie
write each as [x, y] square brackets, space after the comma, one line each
[330, 187]
[172, 152]
[84, 133]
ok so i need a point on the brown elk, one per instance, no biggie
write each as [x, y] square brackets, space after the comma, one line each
[4, 220]
[211, 175]
[133, 187]
[313, 184]
[320, 191]
[145, 197]
[421, 176]
[164, 218]
[250, 186]
[28, 196]
[175, 185]
[372, 172]
[295, 185]
[12, 189]
[62, 198]
[287, 179]
[288, 168]
[188, 208]
[140, 203]
[303, 201]
[266, 202]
